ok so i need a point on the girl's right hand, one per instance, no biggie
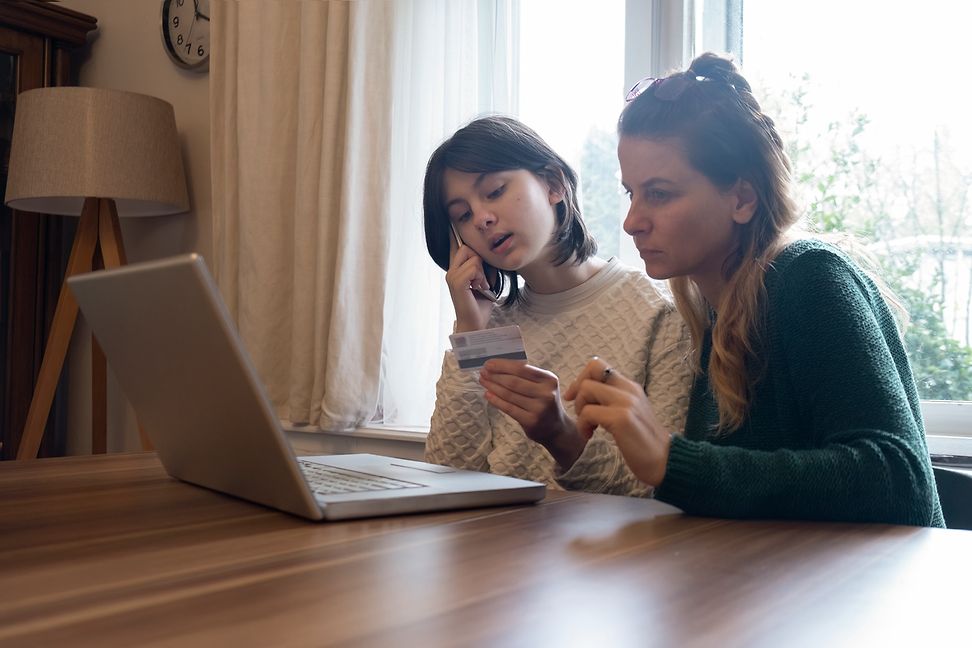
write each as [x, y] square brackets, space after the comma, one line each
[466, 273]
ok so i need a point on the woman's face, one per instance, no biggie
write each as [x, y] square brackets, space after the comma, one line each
[681, 223]
[507, 217]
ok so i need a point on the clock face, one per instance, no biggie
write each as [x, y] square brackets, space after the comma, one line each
[185, 32]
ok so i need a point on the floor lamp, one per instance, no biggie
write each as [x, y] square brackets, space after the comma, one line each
[98, 154]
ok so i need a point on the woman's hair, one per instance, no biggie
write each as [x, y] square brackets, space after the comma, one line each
[496, 143]
[709, 109]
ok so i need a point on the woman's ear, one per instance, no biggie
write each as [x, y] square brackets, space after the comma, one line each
[746, 202]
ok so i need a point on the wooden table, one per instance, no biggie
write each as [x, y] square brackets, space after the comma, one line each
[107, 550]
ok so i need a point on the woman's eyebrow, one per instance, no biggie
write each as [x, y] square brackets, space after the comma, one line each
[650, 182]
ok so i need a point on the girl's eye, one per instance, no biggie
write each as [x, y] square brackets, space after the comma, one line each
[656, 195]
[496, 193]
[463, 217]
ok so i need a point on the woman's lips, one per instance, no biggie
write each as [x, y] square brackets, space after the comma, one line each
[644, 248]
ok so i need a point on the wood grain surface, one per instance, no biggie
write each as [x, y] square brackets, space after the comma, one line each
[109, 551]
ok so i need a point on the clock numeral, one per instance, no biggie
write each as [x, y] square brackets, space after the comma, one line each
[175, 22]
[189, 48]
[200, 51]
[180, 39]
[179, 3]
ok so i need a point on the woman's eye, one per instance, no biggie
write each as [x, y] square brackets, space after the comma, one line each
[463, 217]
[656, 195]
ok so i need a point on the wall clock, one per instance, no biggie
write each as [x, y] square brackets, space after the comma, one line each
[185, 33]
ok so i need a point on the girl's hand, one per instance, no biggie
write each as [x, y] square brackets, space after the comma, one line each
[464, 275]
[531, 397]
[604, 397]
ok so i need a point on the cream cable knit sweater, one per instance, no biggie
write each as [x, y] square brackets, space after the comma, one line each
[617, 314]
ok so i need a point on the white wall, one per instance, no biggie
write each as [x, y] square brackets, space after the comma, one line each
[126, 53]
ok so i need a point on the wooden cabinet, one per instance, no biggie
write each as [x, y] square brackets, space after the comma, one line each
[36, 44]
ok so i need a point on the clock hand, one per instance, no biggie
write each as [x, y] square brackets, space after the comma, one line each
[198, 13]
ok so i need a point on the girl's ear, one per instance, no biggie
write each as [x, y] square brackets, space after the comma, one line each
[556, 184]
[746, 202]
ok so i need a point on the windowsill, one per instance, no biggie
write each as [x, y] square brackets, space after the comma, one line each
[403, 442]
[947, 418]
[948, 427]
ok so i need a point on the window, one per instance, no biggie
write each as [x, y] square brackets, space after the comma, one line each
[868, 98]
[572, 97]
[876, 131]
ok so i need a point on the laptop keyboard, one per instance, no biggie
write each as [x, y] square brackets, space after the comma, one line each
[328, 480]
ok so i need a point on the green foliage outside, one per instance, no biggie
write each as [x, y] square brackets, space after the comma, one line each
[916, 197]
[601, 189]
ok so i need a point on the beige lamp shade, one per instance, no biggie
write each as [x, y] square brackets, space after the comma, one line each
[75, 143]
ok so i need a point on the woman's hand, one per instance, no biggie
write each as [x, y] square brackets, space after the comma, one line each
[531, 397]
[604, 397]
[466, 273]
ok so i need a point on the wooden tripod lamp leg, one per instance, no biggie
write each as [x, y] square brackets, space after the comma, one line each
[109, 235]
[113, 254]
[65, 316]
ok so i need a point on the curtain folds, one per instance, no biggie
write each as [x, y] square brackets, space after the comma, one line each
[323, 115]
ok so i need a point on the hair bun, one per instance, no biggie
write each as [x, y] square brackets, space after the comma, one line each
[718, 68]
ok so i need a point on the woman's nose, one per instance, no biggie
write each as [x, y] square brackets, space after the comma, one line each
[636, 220]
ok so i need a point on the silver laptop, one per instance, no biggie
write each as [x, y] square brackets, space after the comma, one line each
[170, 341]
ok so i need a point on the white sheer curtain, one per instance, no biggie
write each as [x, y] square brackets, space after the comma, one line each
[324, 113]
[300, 198]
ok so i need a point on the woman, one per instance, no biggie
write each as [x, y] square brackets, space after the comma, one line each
[803, 405]
[501, 207]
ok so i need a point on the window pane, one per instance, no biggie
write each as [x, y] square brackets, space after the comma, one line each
[571, 78]
[871, 98]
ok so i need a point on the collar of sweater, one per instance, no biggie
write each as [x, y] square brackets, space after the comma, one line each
[573, 297]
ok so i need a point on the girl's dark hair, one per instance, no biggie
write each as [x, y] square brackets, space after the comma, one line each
[497, 143]
[710, 112]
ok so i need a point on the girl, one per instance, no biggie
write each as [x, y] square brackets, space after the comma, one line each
[803, 405]
[500, 205]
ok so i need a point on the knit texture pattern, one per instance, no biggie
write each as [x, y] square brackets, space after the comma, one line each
[834, 430]
[618, 315]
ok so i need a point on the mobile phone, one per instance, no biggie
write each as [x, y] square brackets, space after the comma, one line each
[488, 294]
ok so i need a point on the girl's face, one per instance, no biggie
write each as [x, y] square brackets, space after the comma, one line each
[682, 224]
[507, 217]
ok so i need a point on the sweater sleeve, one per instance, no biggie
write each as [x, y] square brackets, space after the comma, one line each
[601, 467]
[859, 453]
[459, 434]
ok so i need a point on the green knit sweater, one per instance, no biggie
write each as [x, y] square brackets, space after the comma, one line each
[834, 429]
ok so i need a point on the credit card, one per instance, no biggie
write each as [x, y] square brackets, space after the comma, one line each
[474, 348]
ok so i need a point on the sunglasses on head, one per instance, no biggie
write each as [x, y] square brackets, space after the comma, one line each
[668, 88]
